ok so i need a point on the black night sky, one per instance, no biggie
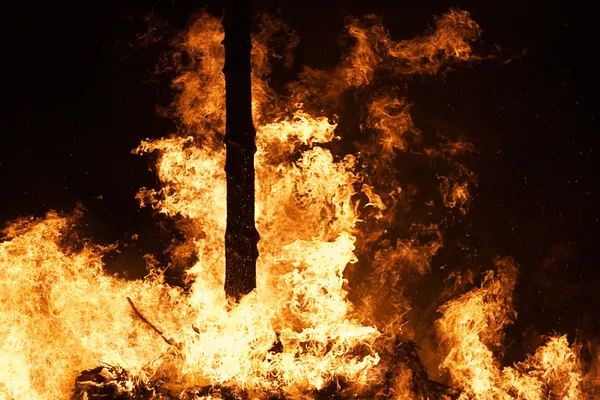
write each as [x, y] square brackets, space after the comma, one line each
[80, 93]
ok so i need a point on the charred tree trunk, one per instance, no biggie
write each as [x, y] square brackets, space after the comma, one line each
[241, 236]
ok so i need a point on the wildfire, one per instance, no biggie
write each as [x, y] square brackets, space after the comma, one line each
[324, 218]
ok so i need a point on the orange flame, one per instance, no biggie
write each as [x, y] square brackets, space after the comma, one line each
[317, 210]
[471, 329]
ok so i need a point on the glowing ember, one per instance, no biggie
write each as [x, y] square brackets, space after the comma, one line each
[318, 212]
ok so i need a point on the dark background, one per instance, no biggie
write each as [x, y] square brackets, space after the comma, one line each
[79, 93]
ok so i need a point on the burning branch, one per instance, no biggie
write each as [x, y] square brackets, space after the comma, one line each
[154, 328]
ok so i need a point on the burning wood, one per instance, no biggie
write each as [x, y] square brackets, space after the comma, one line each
[115, 383]
[148, 323]
[241, 236]
[325, 318]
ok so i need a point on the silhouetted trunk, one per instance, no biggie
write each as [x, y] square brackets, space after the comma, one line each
[241, 236]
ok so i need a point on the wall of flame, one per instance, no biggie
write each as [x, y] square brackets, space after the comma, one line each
[324, 217]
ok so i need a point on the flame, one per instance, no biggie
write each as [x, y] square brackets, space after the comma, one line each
[471, 329]
[60, 315]
[324, 218]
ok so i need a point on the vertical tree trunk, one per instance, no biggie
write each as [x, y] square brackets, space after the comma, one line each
[241, 236]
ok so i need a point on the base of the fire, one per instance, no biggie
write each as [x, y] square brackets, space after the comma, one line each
[114, 382]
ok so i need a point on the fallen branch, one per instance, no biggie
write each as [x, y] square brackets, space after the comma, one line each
[154, 328]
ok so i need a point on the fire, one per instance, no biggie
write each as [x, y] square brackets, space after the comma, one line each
[472, 327]
[320, 214]
[59, 311]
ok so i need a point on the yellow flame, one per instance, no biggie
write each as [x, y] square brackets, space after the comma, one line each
[471, 330]
[62, 314]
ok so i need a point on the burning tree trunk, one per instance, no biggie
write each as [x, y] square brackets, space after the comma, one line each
[241, 236]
